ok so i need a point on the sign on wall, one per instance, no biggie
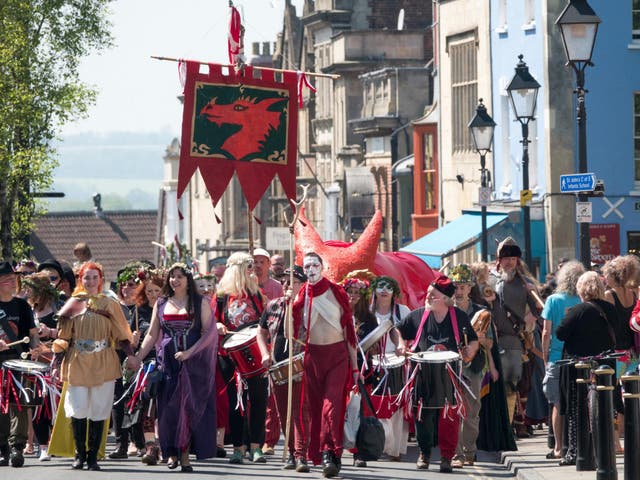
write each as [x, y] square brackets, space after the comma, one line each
[605, 241]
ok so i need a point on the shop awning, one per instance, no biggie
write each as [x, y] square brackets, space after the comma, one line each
[453, 237]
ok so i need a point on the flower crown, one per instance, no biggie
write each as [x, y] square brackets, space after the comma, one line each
[183, 266]
[205, 276]
[44, 287]
[241, 260]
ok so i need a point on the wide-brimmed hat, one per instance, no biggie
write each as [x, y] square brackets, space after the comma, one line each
[6, 268]
[298, 272]
[53, 265]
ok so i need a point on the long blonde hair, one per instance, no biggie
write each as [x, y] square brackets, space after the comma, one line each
[235, 280]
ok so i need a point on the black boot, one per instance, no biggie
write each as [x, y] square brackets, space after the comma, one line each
[95, 438]
[329, 468]
[79, 429]
[5, 453]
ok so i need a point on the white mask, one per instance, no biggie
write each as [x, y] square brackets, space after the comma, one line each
[312, 269]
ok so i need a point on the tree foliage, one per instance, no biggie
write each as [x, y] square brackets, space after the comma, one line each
[41, 45]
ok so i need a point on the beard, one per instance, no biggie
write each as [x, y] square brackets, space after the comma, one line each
[508, 276]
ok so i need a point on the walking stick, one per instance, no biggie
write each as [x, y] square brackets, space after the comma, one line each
[289, 316]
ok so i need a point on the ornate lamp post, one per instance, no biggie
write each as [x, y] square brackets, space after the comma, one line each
[523, 93]
[578, 25]
[482, 127]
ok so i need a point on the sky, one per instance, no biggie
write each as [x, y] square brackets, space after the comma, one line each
[138, 93]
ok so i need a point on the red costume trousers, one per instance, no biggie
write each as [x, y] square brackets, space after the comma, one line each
[272, 423]
[299, 424]
[448, 429]
[326, 376]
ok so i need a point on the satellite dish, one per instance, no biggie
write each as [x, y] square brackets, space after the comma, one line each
[401, 19]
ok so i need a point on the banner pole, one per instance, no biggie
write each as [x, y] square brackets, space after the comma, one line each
[277, 70]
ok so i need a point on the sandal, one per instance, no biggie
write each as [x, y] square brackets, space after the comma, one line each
[551, 455]
[173, 464]
[564, 462]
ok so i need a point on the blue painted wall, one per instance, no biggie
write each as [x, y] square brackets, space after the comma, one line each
[513, 34]
[612, 82]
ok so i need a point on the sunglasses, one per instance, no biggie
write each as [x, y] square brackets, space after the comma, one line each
[53, 278]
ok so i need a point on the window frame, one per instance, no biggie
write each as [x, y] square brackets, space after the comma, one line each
[464, 89]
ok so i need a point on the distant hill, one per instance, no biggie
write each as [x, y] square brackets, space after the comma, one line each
[125, 167]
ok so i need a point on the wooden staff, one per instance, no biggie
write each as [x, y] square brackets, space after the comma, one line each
[276, 70]
[289, 315]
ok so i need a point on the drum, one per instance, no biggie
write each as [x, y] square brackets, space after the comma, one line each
[280, 371]
[393, 366]
[376, 334]
[433, 384]
[242, 347]
[26, 387]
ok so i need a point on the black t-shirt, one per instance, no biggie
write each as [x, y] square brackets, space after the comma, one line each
[434, 333]
[17, 315]
[271, 316]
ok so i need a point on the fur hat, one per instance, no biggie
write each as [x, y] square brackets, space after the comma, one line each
[444, 285]
[508, 248]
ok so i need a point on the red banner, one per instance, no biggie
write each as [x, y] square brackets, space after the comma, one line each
[244, 122]
[605, 242]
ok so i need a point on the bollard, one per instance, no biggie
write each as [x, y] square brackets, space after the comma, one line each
[631, 395]
[585, 459]
[605, 451]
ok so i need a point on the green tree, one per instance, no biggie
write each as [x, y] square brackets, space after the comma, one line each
[41, 45]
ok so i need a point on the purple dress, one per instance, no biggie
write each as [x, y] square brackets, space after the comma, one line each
[186, 394]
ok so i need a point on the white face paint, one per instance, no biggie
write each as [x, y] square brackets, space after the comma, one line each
[312, 269]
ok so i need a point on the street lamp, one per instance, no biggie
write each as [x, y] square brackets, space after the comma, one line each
[482, 127]
[523, 94]
[578, 25]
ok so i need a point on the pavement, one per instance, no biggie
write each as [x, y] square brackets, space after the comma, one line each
[528, 463]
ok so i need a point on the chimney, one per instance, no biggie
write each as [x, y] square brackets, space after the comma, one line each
[255, 48]
[266, 49]
[97, 205]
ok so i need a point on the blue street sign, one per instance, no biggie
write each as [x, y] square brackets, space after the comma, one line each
[577, 182]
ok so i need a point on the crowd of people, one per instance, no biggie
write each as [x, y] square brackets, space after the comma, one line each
[180, 364]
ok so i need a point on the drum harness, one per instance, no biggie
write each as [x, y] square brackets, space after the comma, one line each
[456, 378]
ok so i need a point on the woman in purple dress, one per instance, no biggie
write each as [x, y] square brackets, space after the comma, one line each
[186, 341]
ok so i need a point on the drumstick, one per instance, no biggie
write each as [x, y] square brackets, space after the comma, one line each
[24, 355]
[466, 339]
[18, 342]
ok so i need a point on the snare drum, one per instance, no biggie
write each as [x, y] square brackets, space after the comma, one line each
[26, 387]
[280, 371]
[433, 384]
[390, 376]
[242, 347]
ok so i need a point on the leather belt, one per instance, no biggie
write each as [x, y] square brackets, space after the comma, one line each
[90, 346]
